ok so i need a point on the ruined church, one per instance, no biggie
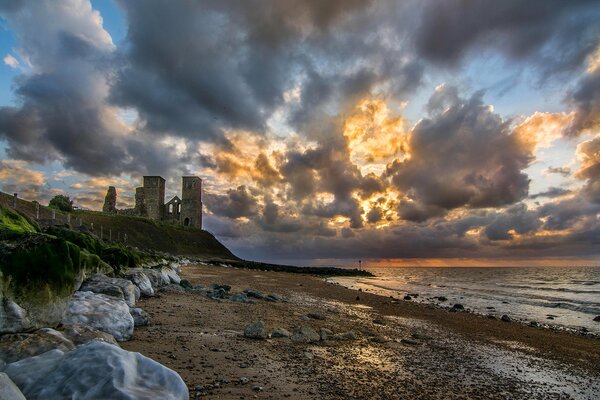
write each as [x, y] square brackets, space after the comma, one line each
[150, 201]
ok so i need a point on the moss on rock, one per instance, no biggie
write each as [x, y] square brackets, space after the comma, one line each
[14, 225]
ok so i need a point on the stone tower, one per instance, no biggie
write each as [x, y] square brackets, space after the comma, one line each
[154, 196]
[110, 201]
[191, 201]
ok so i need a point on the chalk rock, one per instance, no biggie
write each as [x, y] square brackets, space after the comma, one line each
[157, 278]
[140, 279]
[140, 317]
[96, 370]
[120, 288]
[80, 334]
[8, 389]
[256, 330]
[17, 346]
[305, 334]
[13, 318]
[102, 312]
[169, 275]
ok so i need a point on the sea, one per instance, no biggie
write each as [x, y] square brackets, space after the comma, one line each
[562, 298]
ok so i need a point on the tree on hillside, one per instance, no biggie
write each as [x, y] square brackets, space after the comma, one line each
[62, 203]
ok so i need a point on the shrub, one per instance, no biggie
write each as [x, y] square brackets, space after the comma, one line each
[62, 203]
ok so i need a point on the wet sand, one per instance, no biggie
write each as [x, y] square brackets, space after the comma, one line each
[411, 351]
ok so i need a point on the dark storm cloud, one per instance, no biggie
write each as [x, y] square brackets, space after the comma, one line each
[516, 218]
[557, 35]
[550, 193]
[585, 100]
[464, 156]
[235, 204]
[62, 113]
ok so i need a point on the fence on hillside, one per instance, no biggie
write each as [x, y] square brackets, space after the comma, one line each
[46, 216]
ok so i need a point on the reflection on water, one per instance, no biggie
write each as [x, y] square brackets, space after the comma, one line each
[567, 297]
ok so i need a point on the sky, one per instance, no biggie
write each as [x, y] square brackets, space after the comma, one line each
[436, 132]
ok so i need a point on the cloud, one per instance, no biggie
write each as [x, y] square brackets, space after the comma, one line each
[564, 171]
[463, 155]
[235, 204]
[11, 61]
[556, 35]
[552, 192]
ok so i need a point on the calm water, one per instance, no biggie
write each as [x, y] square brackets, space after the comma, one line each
[567, 297]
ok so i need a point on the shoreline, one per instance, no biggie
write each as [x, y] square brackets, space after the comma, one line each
[448, 307]
[395, 349]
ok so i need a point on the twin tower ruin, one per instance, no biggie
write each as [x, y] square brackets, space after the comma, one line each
[150, 201]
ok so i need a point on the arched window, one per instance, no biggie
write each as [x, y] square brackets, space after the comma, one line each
[186, 222]
[170, 208]
[178, 208]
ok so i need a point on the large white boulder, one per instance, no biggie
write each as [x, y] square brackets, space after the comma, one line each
[102, 312]
[139, 278]
[96, 370]
[169, 275]
[8, 389]
[117, 287]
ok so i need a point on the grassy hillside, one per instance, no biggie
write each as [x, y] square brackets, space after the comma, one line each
[154, 235]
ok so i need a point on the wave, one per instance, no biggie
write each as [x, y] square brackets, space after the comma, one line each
[567, 290]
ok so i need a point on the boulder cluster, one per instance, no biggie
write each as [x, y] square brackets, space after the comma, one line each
[83, 360]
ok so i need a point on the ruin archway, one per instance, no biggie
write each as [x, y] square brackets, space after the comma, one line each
[186, 222]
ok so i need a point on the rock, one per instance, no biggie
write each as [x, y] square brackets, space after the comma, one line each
[257, 388]
[274, 297]
[8, 389]
[217, 294]
[411, 342]
[325, 334]
[379, 321]
[80, 334]
[316, 315]
[17, 346]
[308, 355]
[280, 333]
[172, 288]
[505, 318]
[254, 293]
[345, 336]
[421, 336]
[241, 298]
[156, 278]
[13, 318]
[597, 318]
[102, 371]
[140, 279]
[380, 339]
[305, 334]
[442, 298]
[117, 287]
[244, 380]
[140, 317]
[169, 275]
[458, 306]
[407, 297]
[256, 330]
[186, 284]
[104, 313]
[218, 286]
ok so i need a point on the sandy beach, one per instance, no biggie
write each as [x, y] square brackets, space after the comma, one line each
[378, 347]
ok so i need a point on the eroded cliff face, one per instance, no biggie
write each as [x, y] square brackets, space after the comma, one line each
[38, 273]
